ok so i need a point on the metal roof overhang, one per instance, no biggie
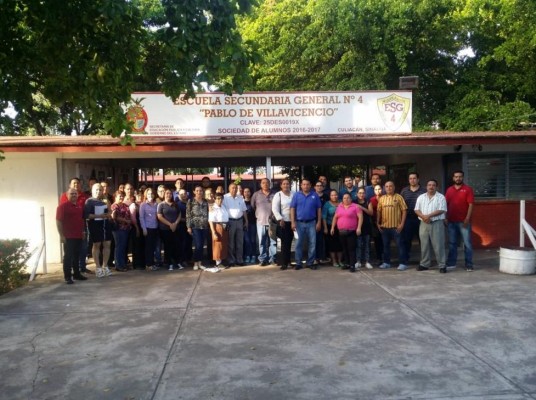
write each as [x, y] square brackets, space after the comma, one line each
[163, 152]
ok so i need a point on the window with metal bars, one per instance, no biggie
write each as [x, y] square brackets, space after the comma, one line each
[502, 176]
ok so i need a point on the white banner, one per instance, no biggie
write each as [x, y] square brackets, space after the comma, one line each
[273, 113]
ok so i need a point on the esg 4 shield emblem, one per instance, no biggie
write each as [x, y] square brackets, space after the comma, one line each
[137, 115]
[394, 110]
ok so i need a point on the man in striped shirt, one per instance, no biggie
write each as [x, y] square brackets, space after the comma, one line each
[431, 208]
[392, 211]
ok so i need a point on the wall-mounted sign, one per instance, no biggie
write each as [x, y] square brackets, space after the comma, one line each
[272, 114]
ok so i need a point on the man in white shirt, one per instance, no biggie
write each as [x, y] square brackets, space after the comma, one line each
[431, 208]
[238, 221]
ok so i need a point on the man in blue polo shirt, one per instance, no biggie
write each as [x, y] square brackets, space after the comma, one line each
[306, 219]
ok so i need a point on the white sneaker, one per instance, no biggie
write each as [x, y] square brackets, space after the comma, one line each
[203, 267]
[385, 266]
[107, 272]
[179, 266]
[196, 267]
[369, 265]
[402, 267]
[212, 269]
[99, 273]
[170, 267]
[357, 265]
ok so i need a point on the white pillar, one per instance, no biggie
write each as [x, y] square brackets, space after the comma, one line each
[521, 219]
[269, 168]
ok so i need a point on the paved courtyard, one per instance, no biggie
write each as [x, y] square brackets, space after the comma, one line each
[261, 333]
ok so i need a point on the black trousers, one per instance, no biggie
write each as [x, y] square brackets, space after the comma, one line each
[348, 242]
[71, 257]
[171, 246]
[286, 243]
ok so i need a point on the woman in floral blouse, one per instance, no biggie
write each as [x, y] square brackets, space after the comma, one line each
[197, 224]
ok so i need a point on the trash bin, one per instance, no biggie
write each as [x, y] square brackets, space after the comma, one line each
[518, 260]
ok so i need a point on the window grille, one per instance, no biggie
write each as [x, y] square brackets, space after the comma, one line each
[502, 176]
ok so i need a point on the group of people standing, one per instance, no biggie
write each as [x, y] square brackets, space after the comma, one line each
[241, 227]
[343, 223]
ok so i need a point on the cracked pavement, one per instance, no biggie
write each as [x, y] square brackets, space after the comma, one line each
[261, 333]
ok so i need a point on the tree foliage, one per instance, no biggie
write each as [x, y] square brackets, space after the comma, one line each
[364, 44]
[70, 65]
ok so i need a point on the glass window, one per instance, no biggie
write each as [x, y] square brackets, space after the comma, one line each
[522, 176]
[487, 175]
[502, 176]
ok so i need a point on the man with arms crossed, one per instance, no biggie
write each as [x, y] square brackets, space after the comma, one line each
[410, 194]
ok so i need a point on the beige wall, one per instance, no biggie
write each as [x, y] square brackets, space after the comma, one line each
[29, 181]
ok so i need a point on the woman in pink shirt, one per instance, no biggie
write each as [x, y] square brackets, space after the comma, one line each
[348, 219]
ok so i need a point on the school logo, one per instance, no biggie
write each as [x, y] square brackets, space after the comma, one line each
[394, 110]
[137, 115]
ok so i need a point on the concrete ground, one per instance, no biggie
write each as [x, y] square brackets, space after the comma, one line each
[261, 333]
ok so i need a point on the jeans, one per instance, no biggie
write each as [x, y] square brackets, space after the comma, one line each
[378, 242]
[250, 241]
[456, 229]
[121, 245]
[411, 229]
[362, 253]
[320, 249]
[306, 230]
[199, 239]
[150, 246]
[185, 243]
[267, 245]
[389, 234]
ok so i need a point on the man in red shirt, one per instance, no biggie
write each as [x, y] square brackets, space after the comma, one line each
[74, 184]
[81, 201]
[71, 227]
[460, 200]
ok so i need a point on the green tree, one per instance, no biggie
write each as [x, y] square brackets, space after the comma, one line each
[495, 89]
[70, 65]
[363, 44]
[356, 45]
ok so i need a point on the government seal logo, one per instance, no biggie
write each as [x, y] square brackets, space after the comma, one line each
[394, 110]
[137, 115]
